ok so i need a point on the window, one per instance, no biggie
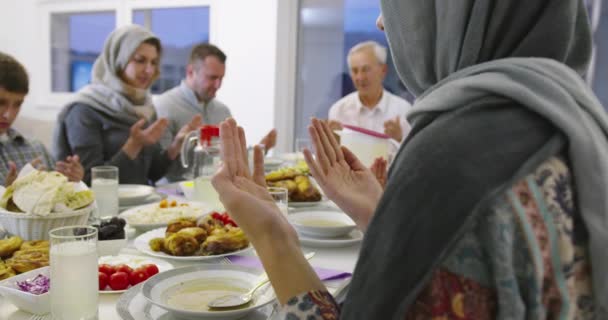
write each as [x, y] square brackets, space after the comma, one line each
[178, 29]
[327, 31]
[77, 39]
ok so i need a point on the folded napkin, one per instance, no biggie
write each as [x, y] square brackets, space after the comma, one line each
[323, 273]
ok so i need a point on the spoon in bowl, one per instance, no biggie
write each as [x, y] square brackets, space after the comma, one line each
[237, 300]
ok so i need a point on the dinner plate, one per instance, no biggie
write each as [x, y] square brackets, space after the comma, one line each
[133, 262]
[154, 197]
[148, 211]
[184, 290]
[308, 204]
[272, 163]
[130, 194]
[322, 223]
[141, 244]
[132, 305]
[350, 239]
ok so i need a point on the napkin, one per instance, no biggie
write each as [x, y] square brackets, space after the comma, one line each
[323, 273]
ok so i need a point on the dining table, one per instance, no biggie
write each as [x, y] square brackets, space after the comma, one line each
[339, 258]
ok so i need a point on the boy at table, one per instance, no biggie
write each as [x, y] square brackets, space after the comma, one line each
[16, 150]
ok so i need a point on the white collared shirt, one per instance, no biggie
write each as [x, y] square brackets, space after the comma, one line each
[350, 110]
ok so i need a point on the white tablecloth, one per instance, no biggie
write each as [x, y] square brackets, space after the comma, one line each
[334, 258]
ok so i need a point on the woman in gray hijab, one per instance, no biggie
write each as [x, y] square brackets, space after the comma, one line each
[112, 120]
[495, 206]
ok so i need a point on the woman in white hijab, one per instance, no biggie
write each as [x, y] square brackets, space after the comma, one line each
[112, 121]
[495, 206]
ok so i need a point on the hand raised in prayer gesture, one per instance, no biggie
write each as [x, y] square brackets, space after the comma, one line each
[71, 168]
[378, 168]
[392, 128]
[269, 140]
[140, 137]
[247, 200]
[239, 189]
[12, 173]
[176, 146]
[343, 178]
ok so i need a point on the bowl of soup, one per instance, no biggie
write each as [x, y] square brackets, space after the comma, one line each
[322, 223]
[185, 292]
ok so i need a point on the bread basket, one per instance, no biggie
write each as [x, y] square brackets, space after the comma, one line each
[35, 227]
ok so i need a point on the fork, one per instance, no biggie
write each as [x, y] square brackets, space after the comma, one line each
[40, 317]
[225, 260]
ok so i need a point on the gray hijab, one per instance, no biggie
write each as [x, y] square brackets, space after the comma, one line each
[458, 54]
[107, 92]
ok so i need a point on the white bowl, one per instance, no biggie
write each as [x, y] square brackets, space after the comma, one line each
[322, 223]
[163, 286]
[34, 227]
[32, 303]
[187, 188]
[271, 164]
[111, 247]
[133, 194]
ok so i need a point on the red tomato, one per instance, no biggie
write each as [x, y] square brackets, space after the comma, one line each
[119, 280]
[137, 276]
[107, 269]
[103, 280]
[216, 216]
[150, 269]
[124, 268]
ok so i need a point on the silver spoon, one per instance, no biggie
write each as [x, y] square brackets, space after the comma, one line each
[237, 300]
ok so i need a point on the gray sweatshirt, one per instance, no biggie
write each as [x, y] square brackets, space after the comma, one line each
[97, 139]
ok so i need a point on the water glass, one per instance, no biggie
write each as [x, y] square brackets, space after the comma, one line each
[74, 288]
[281, 199]
[104, 183]
[302, 143]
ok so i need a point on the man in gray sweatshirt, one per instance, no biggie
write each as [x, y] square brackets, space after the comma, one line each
[196, 95]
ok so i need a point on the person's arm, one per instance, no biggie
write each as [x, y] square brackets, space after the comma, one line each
[84, 135]
[246, 198]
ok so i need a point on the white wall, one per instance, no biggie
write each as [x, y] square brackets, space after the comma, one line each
[246, 30]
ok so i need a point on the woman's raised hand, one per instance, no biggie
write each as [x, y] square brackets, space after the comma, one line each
[151, 134]
[140, 137]
[247, 200]
[243, 192]
[343, 178]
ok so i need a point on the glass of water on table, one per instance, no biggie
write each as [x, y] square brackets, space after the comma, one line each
[104, 183]
[281, 198]
[74, 289]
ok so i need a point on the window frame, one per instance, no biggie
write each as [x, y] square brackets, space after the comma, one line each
[123, 10]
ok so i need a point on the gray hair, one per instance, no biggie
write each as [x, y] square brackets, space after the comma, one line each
[378, 49]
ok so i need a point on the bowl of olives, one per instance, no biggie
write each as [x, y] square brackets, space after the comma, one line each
[111, 236]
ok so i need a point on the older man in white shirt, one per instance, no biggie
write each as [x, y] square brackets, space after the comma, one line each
[371, 106]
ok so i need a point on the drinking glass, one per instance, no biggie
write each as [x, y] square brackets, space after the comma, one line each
[280, 196]
[74, 288]
[104, 183]
[302, 143]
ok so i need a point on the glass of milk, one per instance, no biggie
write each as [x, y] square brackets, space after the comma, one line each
[281, 199]
[74, 291]
[104, 183]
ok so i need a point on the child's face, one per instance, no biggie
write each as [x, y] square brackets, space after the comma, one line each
[10, 104]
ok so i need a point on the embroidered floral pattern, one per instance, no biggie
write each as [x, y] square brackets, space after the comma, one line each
[524, 259]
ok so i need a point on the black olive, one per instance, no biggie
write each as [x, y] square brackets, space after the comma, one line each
[106, 232]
